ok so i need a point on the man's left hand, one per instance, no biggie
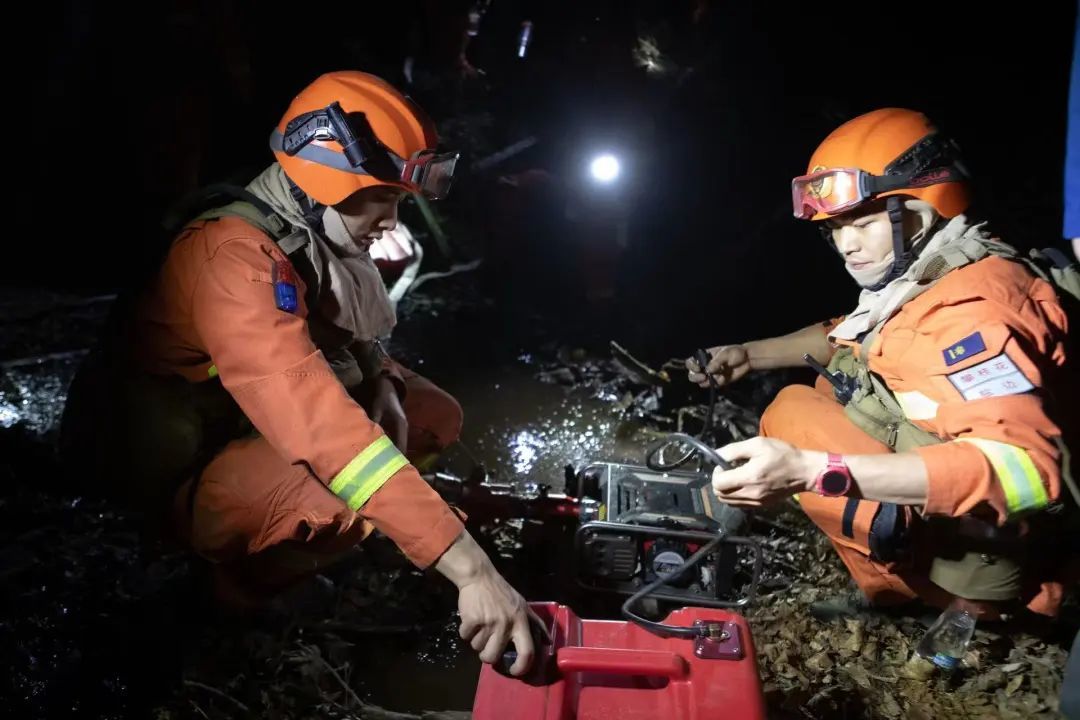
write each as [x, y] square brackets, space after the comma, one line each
[386, 410]
[772, 471]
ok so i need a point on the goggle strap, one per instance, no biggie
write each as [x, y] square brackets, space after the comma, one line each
[872, 185]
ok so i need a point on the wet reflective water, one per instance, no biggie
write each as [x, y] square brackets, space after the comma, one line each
[523, 429]
[33, 395]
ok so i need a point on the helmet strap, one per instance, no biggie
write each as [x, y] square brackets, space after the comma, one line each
[902, 255]
[311, 210]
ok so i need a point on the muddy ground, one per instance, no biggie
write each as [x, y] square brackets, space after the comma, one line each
[97, 621]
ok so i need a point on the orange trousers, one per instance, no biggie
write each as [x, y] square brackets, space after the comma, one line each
[266, 524]
[812, 419]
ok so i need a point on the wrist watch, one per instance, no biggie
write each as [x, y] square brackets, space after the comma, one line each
[835, 479]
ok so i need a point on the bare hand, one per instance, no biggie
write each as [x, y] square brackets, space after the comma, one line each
[492, 612]
[773, 470]
[727, 363]
[386, 410]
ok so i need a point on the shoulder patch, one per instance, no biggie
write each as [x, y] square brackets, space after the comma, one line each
[995, 377]
[284, 279]
[965, 348]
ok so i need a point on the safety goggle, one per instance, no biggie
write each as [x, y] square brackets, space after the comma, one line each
[835, 190]
[427, 172]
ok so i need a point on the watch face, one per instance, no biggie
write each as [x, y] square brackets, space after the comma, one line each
[834, 482]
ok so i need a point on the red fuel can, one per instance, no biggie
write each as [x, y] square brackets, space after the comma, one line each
[615, 670]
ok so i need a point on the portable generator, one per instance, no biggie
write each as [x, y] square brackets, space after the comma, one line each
[634, 524]
[645, 523]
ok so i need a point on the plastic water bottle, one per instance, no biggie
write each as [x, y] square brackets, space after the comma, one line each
[947, 639]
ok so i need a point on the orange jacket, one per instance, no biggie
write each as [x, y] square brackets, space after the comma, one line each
[967, 360]
[212, 312]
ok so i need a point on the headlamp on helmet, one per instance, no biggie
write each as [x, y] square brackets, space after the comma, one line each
[426, 172]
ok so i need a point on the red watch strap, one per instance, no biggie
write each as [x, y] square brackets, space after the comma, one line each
[834, 464]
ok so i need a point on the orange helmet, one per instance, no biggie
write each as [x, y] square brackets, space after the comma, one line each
[885, 152]
[350, 130]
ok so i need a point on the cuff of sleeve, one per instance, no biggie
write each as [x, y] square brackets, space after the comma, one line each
[958, 478]
[409, 512]
[429, 548]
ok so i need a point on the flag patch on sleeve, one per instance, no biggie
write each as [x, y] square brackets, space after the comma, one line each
[971, 345]
[284, 279]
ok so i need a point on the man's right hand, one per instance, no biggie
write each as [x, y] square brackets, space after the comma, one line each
[727, 363]
[492, 612]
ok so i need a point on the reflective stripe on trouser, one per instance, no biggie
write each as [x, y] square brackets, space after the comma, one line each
[1019, 478]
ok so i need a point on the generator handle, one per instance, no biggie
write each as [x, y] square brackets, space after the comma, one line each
[620, 661]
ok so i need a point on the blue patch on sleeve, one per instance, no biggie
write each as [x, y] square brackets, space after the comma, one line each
[285, 297]
[971, 345]
[284, 286]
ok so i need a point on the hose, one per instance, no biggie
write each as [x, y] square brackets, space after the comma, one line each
[696, 445]
[669, 631]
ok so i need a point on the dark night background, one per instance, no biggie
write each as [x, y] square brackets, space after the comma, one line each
[133, 106]
[118, 110]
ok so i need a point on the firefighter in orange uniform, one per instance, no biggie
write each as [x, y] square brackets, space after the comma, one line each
[933, 457]
[244, 400]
